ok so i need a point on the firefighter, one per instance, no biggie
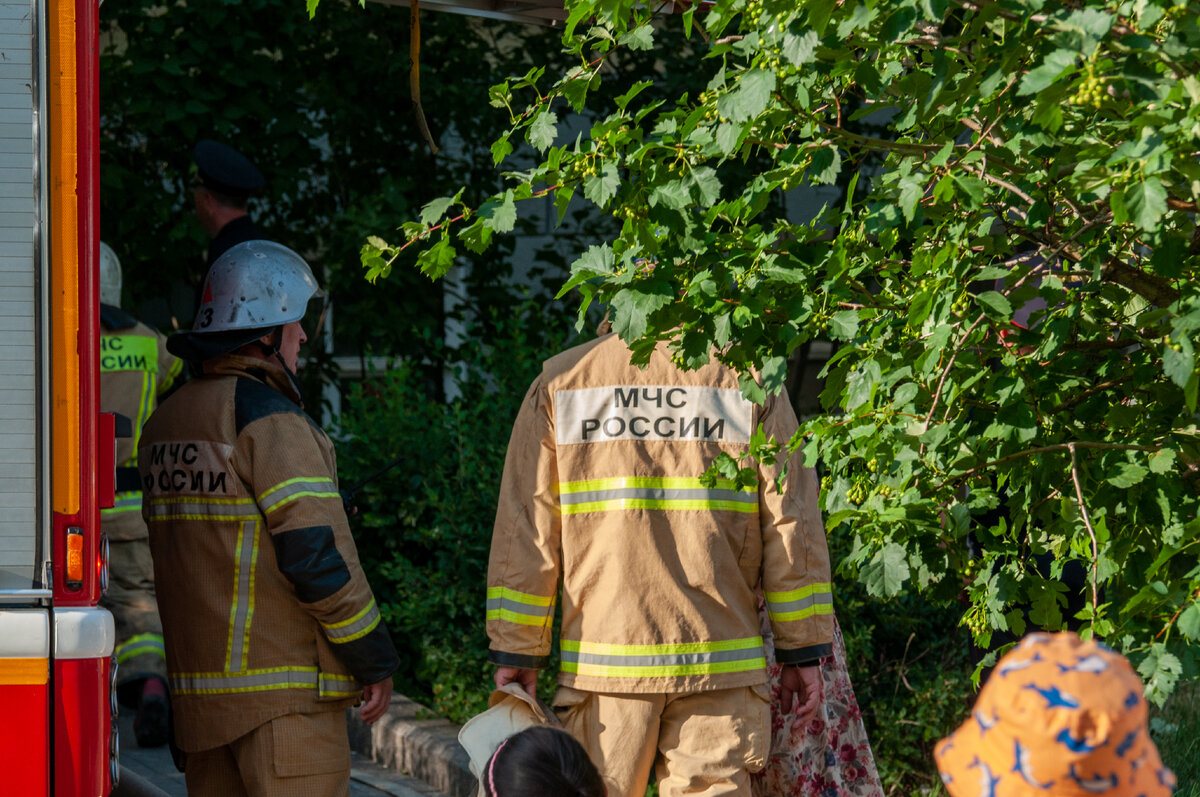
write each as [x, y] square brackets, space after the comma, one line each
[661, 655]
[135, 370]
[223, 183]
[271, 627]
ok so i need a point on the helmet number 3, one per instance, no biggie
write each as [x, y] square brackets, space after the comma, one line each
[205, 317]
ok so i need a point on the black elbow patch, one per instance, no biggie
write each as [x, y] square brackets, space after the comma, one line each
[310, 560]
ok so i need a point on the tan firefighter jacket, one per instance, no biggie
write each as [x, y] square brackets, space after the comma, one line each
[601, 487]
[265, 607]
[135, 369]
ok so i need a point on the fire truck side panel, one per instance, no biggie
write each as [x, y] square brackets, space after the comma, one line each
[83, 644]
[25, 694]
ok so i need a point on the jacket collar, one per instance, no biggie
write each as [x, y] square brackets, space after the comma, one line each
[269, 373]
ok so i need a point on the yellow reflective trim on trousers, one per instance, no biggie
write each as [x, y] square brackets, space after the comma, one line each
[797, 594]
[140, 645]
[666, 482]
[610, 671]
[514, 617]
[647, 503]
[520, 597]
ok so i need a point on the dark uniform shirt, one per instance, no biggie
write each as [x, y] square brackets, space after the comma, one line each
[235, 232]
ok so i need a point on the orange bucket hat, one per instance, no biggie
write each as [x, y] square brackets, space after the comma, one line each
[1059, 717]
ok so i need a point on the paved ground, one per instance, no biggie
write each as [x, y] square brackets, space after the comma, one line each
[155, 767]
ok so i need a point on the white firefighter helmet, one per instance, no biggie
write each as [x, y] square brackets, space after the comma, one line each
[255, 285]
[110, 276]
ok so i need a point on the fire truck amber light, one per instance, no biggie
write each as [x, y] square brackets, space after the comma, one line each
[74, 557]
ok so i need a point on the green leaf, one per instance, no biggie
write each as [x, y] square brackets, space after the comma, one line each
[1162, 461]
[1178, 366]
[706, 186]
[801, 50]
[640, 38]
[885, 574]
[911, 191]
[750, 388]
[1146, 202]
[774, 374]
[311, 6]
[542, 130]
[603, 186]
[634, 90]
[826, 165]
[996, 304]
[1052, 68]
[1126, 474]
[501, 149]
[1160, 670]
[749, 97]
[435, 261]
[1189, 622]
[503, 214]
[434, 209]
[631, 310]
[843, 325]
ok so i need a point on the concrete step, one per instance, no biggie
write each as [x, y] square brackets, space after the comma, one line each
[412, 741]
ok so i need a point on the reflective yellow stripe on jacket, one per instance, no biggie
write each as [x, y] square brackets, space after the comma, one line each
[356, 627]
[266, 680]
[648, 661]
[797, 604]
[519, 607]
[666, 493]
[290, 490]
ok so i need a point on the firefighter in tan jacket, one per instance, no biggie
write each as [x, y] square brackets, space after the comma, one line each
[271, 628]
[135, 369]
[662, 664]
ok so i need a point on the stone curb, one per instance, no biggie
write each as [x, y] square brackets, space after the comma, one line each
[412, 740]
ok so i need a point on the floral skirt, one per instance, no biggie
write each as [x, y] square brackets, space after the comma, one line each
[831, 757]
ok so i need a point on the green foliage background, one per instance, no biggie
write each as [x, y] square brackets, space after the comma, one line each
[1009, 274]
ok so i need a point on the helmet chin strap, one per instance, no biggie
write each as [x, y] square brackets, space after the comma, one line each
[273, 351]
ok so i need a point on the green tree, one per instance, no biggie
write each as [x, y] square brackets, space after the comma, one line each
[1007, 272]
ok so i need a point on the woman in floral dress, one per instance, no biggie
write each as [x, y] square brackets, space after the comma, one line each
[831, 757]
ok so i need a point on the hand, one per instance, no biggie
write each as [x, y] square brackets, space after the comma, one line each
[526, 678]
[376, 698]
[804, 686]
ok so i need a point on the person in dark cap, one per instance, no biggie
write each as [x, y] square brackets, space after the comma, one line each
[225, 180]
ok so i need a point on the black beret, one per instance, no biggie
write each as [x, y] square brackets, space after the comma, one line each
[222, 168]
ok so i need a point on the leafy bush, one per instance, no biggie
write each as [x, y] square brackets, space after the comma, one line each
[425, 525]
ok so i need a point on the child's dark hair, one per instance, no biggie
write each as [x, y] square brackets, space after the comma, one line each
[541, 762]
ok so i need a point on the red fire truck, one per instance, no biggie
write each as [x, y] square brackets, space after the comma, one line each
[56, 449]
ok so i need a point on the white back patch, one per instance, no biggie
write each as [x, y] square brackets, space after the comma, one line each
[673, 413]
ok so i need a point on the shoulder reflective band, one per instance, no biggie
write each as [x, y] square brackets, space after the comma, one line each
[648, 661]
[800, 603]
[224, 683]
[337, 686]
[290, 490]
[356, 627]
[140, 645]
[519, 607]
[608, 495]
[129, 353]
[182, 508]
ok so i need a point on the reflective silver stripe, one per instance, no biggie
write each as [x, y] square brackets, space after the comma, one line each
[246, 556]
[506, 602]
[663, 659]
[787, 607]
[355, 628]
[215, 683]
[659, 494]
[336, 685]
[294, 488]
[199, 509]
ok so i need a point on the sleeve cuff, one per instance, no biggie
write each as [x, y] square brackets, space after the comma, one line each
[803, 657]
[503, 659]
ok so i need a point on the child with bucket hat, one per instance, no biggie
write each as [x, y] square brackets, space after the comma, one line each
[519, 749]
[1059, 717]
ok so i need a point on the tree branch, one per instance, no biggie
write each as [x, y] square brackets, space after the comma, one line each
[1087, 521]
